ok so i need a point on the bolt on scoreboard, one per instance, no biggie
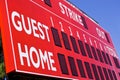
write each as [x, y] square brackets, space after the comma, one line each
[53, 38]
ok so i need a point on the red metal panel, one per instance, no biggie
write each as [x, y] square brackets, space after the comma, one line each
[42, 36]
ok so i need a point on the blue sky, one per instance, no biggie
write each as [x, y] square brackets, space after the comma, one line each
[106, 13]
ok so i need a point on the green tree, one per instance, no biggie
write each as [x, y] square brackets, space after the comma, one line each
[2, 70]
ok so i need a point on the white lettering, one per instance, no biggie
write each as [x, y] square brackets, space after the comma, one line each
[17, 26]
[50, 54]
[70, 31]
[42, 35]
[30, 26]
[44, 59]
[90, 41]
[71, 14]
[46, 30]
[84, 36]
[37, 63]
[33, 23]
[100, 33]
[23, 54]
[95, 43]
[28, 31]
[78, 34]
[36, 57]
[62, 9]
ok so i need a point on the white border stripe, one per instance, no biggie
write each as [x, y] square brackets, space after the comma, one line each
[10, 33]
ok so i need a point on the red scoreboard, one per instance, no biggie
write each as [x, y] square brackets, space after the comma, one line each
[53, 38]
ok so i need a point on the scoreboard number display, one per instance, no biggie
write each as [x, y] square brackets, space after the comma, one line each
[53, 38]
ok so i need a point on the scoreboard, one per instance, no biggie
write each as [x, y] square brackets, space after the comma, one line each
[53, 38]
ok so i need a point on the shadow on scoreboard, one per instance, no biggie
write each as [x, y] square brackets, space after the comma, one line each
[23, 76]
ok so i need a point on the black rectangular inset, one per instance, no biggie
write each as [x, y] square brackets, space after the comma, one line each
[106, 74]
[88, 69]
[48, 2]
[66, 41]
[101, 73]
[74, 44]
[88, 50]
[56, 37]
[99, 55]
[72, 66]
[104, 57]
[108, 40]
[81, 68]
[82, 48]
[63, 64]
[95, 72]
[108, 59]
[116, 62]
[94, 53]
[84, 22]
[114, 75]
[110, 74]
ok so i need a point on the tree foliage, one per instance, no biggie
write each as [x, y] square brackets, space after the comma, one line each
[2, 70]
